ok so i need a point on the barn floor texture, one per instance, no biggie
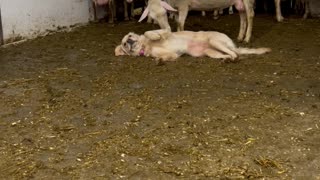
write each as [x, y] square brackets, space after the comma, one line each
[70, 109]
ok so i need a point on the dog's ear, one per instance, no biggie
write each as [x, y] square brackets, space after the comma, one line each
[118, 51]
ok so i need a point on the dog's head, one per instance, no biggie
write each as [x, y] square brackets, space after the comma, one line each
[130, 45]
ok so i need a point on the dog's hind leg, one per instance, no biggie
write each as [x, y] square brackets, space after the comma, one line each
[222, 47]
[216, 54]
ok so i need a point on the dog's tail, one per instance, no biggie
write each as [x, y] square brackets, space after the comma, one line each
[258, 51]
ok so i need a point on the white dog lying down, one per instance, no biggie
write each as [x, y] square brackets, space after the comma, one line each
[167, 46]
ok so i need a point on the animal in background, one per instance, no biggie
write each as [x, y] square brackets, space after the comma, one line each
[111, 9]
[217, 12]
[300, 5]
[245, 8]
[157, 10]
[133, 4]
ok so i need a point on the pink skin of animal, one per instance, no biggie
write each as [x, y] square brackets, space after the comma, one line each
[239, 5]
[196, 49]
[165, 5]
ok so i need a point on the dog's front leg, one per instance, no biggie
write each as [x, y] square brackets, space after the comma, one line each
[157, 35]
[153, 36]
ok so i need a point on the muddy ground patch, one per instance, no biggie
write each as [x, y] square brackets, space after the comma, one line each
[69, 109]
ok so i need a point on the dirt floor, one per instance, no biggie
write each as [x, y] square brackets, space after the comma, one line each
[70, 109]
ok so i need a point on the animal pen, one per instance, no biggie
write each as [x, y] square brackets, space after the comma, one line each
[71, 109]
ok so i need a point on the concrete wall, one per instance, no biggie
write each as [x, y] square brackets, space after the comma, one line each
[29, 18]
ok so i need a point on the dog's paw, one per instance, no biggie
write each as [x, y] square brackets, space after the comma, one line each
[152, 35]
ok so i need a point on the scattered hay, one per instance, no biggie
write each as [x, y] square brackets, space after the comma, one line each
[270, 163]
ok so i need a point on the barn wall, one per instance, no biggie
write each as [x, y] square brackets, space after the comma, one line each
[29, 18]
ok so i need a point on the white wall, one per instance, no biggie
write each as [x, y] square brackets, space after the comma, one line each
[29, 18]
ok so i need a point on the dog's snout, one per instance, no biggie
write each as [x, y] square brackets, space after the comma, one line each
[130, 41]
